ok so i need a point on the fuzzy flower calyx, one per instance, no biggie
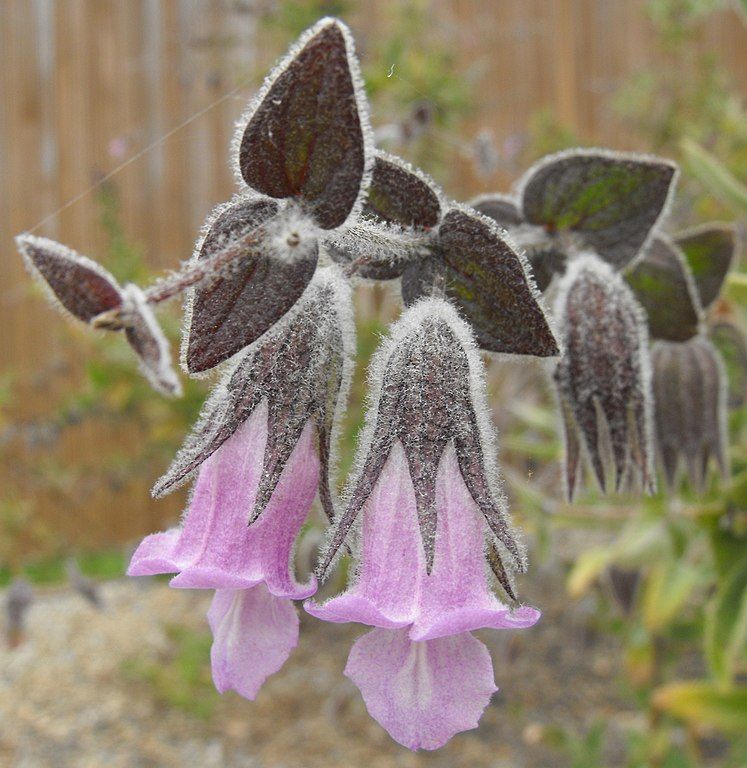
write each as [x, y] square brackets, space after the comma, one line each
[603, 379]
[427, 382]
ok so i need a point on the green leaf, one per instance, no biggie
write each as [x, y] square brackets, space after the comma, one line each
[736, 287]
[728, 549]
[665, 289]
[726, 624]
[612, 200]
[709, 250]
[586, 570]
[640, 542]
[702, 704]
[667, 589]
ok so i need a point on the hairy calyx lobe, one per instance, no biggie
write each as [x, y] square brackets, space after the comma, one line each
[428, 373]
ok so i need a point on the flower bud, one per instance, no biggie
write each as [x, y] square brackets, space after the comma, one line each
[690, 413]
[603, 378]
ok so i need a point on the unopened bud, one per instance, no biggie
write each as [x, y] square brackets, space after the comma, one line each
[603, 378]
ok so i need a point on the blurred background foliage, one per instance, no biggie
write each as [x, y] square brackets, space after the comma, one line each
[668, 574]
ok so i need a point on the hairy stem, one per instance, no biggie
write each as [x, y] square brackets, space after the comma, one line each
[178, 282]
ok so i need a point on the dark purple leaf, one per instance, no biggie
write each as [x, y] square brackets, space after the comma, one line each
[709, 251]
[663, 286]
[305, 139]
[612, 200]
[542, 249]
[399, 195]
[79, 284]
[235, 307]
[486, 279]
[501, 208]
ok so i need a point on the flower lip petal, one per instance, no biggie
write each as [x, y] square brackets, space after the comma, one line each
[350, 607]
[422, 693]
[471, 618]
[156, 554]
[254, 633]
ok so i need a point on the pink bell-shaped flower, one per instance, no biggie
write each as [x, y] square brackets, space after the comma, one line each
[431, 512]
[262, 451]
[392, 588]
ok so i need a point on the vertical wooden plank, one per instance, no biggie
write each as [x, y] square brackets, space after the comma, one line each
[566, 75]
[73, 124]
[170, 213]
[134, 182]
[22, 172]
[219, 80]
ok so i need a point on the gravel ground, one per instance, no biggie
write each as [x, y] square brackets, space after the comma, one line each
[128, 686]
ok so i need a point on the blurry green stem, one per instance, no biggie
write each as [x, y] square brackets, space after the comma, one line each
[715, 176]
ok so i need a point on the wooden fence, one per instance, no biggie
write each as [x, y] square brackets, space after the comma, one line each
[86, 85]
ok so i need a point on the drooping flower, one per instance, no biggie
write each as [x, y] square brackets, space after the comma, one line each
[603, 378]
[432, 510]
[263, 450]
[690, 414]
[676, 281]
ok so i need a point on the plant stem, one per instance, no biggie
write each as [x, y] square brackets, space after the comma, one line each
[178, 282]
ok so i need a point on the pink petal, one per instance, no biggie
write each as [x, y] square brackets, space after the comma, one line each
[253, 635]
[392, 588]
[225, 489]
[422, 693]
[457, 597]
[215, 548]
[386, 589]
[156, 554]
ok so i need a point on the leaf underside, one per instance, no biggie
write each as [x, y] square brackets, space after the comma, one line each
[486, 279]
[613, 202]
[147, 340]
[305, 139]
[234, 308]
[662, 286]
